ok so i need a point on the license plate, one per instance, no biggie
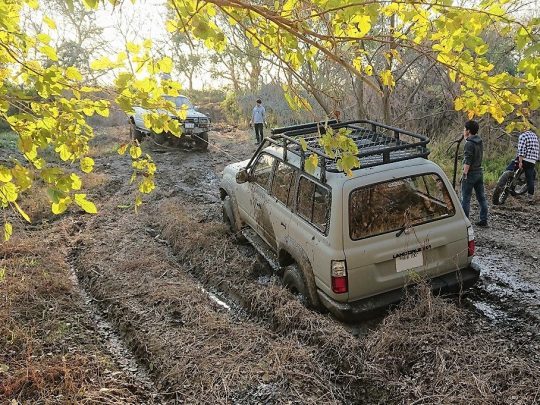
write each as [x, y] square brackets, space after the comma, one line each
[409, 261]
[189, 125]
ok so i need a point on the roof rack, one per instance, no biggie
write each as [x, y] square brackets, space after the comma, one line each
[377, 143]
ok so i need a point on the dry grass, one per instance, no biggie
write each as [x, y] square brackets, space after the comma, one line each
[48, 352]
[430, 351]
[198, 351]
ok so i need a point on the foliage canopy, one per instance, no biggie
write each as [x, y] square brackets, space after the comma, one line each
[47, 103]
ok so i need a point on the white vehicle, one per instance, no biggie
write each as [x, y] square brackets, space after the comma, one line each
[351, 244]
[194, 128]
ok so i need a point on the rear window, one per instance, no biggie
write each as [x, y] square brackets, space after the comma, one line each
[390, 206]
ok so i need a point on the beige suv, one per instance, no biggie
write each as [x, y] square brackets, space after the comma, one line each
[351, 243]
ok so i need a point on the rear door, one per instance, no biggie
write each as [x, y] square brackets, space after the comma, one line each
[396, 231]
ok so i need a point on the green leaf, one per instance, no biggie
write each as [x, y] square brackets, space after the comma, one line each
[88, 206]
[303, 144]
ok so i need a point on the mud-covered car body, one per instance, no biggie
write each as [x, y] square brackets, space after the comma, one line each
[194, 127]
[356, 241]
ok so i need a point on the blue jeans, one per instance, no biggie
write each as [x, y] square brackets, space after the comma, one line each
[474, 181]
[528, 168]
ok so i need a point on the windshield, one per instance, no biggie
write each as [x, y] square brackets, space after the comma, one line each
[392, 205]
[179, 101]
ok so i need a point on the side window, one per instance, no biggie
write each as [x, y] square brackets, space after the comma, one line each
[283, 181]
[313, 203]
[262, 171]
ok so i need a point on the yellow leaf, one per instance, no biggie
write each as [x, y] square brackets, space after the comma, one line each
[135, 151]
[133, 48]
[387, 78]
[61, 205]
[8, 192]
[76, 182]
[311, 163]
[87, 164]
[49, 52]
[303, 144]
[73, 73]
[8, 231]
[21, 211]
[88, 206]
[147, 185]
[459, 104]
[5, 174]
[50, 22]
[122, 149]
[369, 70]
[165, 64]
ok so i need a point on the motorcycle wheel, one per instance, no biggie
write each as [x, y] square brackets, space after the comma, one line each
[521, 185]
[500, 194]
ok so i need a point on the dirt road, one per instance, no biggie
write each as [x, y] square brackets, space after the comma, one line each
[206, 322]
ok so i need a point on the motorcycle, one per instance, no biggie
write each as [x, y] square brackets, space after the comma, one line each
[511, 182]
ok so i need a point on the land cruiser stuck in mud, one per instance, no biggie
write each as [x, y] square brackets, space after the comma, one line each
[351, 244]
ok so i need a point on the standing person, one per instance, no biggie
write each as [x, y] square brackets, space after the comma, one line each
[528, 151]
[473, 176]
[258, 119]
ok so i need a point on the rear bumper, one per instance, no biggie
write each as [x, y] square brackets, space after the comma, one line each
[370, 307]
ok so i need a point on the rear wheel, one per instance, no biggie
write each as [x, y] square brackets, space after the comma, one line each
[134, 133]
[500, 194]
[294, 281]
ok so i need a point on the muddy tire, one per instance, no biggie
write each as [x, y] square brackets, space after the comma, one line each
[201, 141]
[229, 220]
[500, 194]
[294, 281]
[134, 133]
[521, 185]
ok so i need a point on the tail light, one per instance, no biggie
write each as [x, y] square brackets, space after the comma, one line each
[471, 246]
[340, 283]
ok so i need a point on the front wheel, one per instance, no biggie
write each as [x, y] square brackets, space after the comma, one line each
[500, 194]
[201, 141]
[294, 281]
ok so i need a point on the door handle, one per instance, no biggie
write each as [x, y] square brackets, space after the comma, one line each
[258, 205]
[283, 225]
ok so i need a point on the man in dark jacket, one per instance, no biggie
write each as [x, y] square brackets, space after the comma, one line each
[473, 176]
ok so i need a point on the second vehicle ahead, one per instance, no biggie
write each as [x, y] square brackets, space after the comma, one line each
[194, 127]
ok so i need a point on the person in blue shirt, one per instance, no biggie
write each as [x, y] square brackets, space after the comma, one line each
[258, 119]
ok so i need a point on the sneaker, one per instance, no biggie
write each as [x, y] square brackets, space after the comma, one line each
[530, 199]
[482, 223]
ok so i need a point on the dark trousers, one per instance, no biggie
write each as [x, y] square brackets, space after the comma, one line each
[474, 181]
[528, 169]
[259, 132]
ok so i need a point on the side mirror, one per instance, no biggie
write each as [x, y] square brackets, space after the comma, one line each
[195, 107]
[242, 176]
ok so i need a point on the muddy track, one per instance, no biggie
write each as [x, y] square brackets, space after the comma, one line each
[155, 279]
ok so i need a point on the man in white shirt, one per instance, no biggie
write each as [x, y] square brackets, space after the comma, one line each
[258, 119]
